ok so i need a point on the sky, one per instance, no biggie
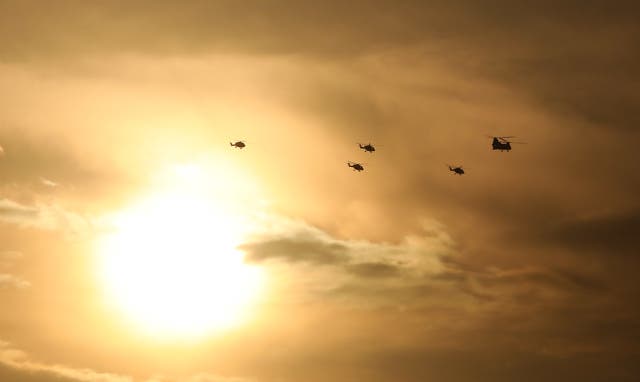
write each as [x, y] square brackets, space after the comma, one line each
[137, 245]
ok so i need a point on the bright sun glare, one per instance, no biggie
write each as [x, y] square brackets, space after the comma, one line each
[171, 263]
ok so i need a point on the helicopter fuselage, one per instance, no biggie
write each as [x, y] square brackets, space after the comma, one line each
[368, 148]
[457, 170]
[356, 166]
[502, 146]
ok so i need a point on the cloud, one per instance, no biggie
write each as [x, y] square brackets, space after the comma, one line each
[47, 217]
[614, 234]
[10, 255]
[564, 62]
[295, 249]
[373, 270]
[19, 360]
[200, 377]
[36, 159]
[204, 377]
[48, 183]
[432, 258]
[296, 242]
[14, 212]
[7, 258]
[420, 268]
[25, 367]
[424, 281]
[7, 280]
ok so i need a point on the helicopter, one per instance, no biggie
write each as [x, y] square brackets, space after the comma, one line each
[456, 169]
[238, 144]
[356, 166]
[502, 143]
[368, 147]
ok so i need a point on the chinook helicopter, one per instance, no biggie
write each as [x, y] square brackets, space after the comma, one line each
[368, 147]
[238, 144]
[456, 169]
[355, 166]
[502, 143]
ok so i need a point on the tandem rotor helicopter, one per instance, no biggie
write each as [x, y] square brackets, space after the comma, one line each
[502, 143]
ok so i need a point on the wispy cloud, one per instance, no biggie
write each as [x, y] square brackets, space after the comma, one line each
[19, 360]
[11, 281]
[10, 255]
[7, 280]
[22, 362]
[48, 183]
[14, 212]
[42, 216]
[205, 377]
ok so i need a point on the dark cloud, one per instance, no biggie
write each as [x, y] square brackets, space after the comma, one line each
[374, 270]
[612, 234]
[294, 250]
[579, 59]
[490, 364]
[199, 26]
[560, 280]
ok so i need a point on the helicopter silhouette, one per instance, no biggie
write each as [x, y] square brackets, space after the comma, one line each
[368, 147]
[502, 143]
[456, 170]
[356, 166]
[238, 144]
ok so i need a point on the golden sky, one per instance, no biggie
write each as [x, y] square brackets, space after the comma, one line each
[137, 245]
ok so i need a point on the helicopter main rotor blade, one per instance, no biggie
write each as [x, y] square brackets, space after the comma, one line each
[499, 138]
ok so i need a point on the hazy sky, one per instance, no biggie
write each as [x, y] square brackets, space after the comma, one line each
[116, 120]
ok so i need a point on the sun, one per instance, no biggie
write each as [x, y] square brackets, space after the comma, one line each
[171, 267]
